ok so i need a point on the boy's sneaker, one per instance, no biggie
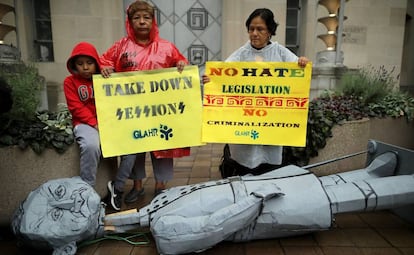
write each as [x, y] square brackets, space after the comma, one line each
[133, 195]
[115, 196]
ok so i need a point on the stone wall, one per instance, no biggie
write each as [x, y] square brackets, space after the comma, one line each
[353, 136]
[22, 171]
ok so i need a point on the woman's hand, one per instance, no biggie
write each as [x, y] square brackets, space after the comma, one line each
[205, 79]
[180, 66]
[106, 71]
[303, 61]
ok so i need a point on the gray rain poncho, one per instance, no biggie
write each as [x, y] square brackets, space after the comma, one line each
[253, 155]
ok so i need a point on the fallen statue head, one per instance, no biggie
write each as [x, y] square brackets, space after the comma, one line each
[58, 214]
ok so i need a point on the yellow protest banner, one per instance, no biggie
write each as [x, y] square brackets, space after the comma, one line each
[148, 110]
[256, 103]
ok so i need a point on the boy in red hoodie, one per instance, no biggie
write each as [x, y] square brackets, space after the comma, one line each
[78, 88]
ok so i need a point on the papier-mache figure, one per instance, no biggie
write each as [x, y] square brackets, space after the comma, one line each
[58, 214]
[287, 201]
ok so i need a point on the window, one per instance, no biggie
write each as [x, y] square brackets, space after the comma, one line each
[292, 25]
[43, 43]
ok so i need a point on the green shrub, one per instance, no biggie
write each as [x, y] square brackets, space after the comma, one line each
[395, 104]
[24, 125]
[26, 84]
[367, 93]
[369, 85]
[324, 113]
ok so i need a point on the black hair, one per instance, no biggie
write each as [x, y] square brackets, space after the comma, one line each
[72, 62]
[140, 6]
[6, 99]
[267, 16]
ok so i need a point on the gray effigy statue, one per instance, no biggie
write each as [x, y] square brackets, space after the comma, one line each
[59, 214]
[284, 202]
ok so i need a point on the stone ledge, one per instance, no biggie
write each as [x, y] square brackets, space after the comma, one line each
[22, 171]
[352, 137]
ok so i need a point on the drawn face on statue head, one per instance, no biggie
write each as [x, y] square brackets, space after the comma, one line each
[61, 207]
[58, 212]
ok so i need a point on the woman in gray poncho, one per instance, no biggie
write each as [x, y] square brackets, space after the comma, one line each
[240, 159]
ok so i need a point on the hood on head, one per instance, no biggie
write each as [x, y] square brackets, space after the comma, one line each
[82, 49]
[154, 33]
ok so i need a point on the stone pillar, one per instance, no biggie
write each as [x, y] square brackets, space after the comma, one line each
[325, 78]
[329, 67]
[333, 36]
[8, 53]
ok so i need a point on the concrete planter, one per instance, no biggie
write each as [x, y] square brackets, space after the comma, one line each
[393, 131]
[22, 171]
[353, 136]
[348, 138]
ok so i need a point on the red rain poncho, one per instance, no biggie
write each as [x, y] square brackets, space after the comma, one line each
[129, 55]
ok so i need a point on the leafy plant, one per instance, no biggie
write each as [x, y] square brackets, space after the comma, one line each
[368, 84]
[26, 84]
[23, 125]
[396, 104]
[360, 95]
[48, 130]
[324, 113]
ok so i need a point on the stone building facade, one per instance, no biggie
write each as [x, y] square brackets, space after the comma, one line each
[374, 32]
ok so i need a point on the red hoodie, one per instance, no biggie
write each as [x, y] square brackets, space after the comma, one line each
[78, 90]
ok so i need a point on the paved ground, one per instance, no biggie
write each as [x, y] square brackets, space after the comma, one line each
[370, 233]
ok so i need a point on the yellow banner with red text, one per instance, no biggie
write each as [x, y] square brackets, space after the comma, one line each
[256, 103]
[148, 110]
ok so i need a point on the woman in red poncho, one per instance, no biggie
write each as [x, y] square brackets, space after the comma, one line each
[142, 49]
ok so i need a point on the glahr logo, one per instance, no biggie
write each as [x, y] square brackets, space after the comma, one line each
[253, 134]
[164, 132]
